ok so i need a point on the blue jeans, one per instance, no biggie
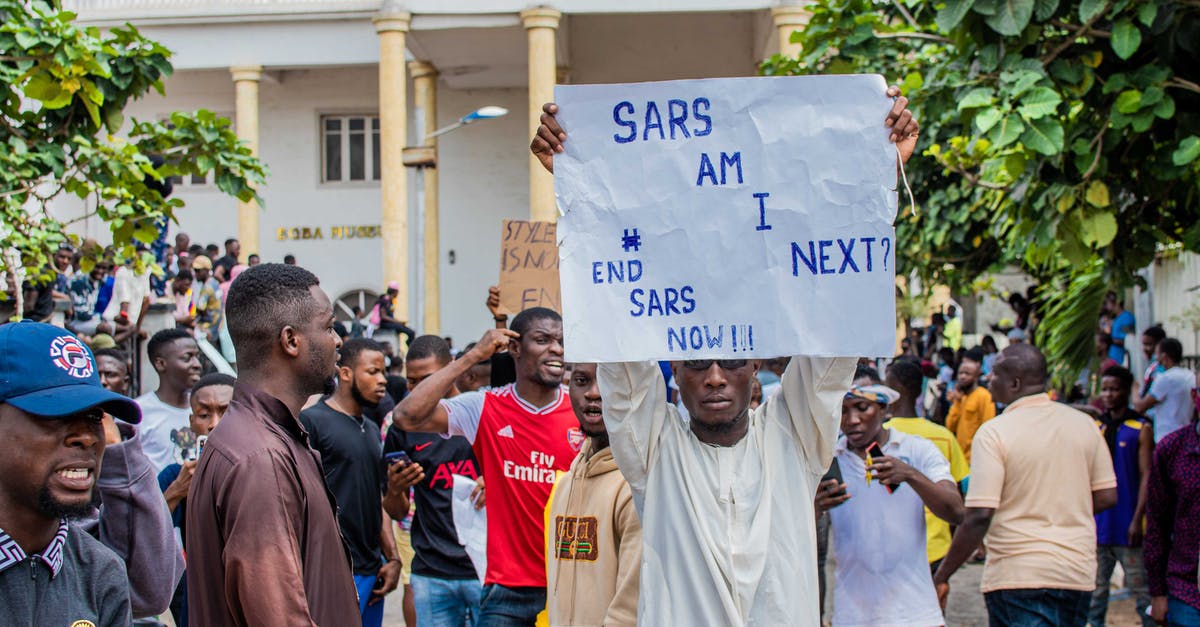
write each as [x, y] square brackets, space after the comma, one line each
[1038, 607]
[510, 607]
[1130, 558]
[1180, 614]
[372, 615]
[446, 602]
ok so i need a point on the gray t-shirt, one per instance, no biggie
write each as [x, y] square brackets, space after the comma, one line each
[1173, 389]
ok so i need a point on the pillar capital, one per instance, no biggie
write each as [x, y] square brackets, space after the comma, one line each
[541, 17]
[246, 73]
[790, 15]
[422, 69]
[390, 20]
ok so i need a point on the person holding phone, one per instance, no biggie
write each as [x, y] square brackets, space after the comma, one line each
[877, 515]
[350, 451]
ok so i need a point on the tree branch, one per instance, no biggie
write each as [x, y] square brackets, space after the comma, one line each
[1071, 39]
[1183, 84]
[973, 179]
[907, 16]
[928, 36]
[1098, 141]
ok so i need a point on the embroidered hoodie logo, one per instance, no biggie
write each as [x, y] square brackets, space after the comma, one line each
[575, 538]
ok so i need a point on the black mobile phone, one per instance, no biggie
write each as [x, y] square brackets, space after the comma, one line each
[397, 456]
[835, 473]
[876, 451]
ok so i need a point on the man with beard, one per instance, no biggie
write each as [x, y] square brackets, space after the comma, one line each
[594, 538]
[522, 433]
[262, 537]
[445, 588]
[52, 423]
[176, 359]
[724, 498]
[350, 453]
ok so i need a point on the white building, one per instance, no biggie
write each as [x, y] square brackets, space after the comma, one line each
[302, 80]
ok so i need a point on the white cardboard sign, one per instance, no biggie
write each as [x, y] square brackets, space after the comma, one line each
[727, 218]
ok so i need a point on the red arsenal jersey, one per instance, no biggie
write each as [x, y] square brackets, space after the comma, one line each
[520, 447]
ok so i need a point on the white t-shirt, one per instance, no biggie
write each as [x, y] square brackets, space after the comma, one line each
[882, 577]
[160, 429]
[727, 532]
[1173, 389]
[128, 288]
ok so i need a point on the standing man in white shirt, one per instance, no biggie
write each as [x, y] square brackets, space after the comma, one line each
[726, 497]
[165, 411]
[1170, 396]
[882, 575]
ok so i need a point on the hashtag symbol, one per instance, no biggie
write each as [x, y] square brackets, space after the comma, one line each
[631, 241]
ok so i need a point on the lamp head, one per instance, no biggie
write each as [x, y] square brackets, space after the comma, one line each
[485, 113]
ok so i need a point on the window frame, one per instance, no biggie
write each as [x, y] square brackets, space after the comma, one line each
[371, 134]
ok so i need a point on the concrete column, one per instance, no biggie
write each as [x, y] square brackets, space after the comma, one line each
[541, 23]
[425, 94]
[245, 85]
[392, 26]
[787, 18]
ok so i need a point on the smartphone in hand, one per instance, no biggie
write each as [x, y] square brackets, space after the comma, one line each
[875, 452]
[397, 456]
[835, 473]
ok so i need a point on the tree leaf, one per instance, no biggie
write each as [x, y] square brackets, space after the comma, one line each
[1129, 101]
[1044, 136]
[1090, 8]
[1188, 151]
[1166, 108]
[1038, 103]
[1147, 12]
[987, 118]
[1125, 38]
[1098, 230]
[1011, 17]
[1007, 131]
[978, 97]
[1043, 9]
[952, 14]
[1097, 194]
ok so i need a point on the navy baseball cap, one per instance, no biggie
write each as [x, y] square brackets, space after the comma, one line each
[47, 371]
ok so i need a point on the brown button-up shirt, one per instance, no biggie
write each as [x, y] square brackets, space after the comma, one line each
[262, 534]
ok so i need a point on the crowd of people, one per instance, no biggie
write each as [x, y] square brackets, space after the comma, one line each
[336, 469]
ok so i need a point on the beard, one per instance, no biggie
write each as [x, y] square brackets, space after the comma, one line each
[54, 508]
[322, 375]
[361, 398]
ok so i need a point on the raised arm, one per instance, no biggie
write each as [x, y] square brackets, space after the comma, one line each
[635, 410]
[810, 401]
[421, 409]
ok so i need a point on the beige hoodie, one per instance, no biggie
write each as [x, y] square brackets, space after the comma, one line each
[593, 545]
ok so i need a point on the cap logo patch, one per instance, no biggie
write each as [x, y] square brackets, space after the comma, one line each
[70, 355]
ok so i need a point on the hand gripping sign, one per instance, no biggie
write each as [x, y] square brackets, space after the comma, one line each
[727, 218]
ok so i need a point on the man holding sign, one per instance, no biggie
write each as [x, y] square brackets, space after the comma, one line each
[726, 498]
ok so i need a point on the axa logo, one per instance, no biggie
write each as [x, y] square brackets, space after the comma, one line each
[505, 432]
[69, 354]
[443, 477]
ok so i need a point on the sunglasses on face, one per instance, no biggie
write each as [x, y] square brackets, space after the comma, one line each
[705, 364]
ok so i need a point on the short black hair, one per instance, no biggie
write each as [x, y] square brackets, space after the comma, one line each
[115, 353]
[162, 339]
[429, 346]
[975, 354]
[1172, 348]
[195, 250]
[252, 256]
[232, 240]
[261, 302]
[1105, 337]
[212, 247]
[289, 260]
[352, 348]
[908, 374]
[947, 354]
[1157, 333]
[184, 273]
[1121, 374]
[524, 320]
[211, 379]
[868, 372]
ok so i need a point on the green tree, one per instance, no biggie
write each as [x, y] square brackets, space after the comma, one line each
[1060, 136]
[62, 133]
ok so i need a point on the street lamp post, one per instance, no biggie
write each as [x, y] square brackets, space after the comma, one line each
[422, 156]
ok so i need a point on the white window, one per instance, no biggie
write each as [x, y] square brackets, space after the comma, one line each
[349, 148]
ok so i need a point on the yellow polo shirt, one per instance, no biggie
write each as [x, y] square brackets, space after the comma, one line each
[937, 531]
